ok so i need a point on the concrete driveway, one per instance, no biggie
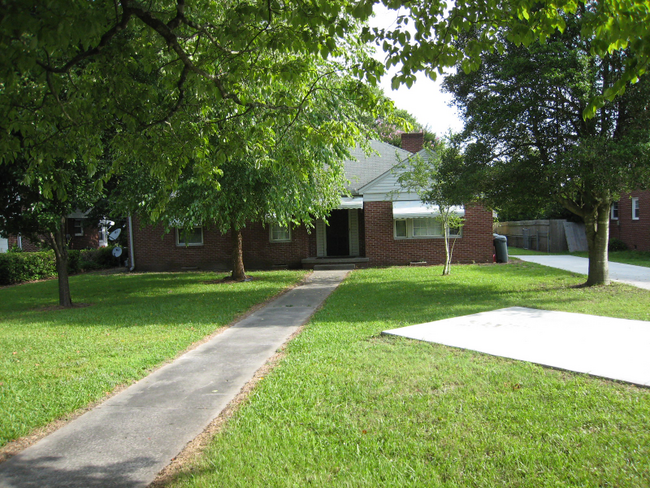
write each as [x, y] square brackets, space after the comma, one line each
[638, 276]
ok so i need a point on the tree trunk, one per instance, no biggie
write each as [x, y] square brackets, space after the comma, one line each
[446, 270]
[597, 230]
[61, 254]
[238, 271]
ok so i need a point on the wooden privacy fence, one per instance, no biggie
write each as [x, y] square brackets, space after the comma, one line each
[553, 235]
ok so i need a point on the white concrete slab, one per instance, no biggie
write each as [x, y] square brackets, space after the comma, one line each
[601, 346]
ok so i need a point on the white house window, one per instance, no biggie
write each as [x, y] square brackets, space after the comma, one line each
[635, 209]
[78, 227]
[280, 233]
[426, 228]
[421, 228]
[400, 229]
[189, 237]
[614, 214]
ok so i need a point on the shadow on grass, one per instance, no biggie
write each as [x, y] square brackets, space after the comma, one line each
[412, 296]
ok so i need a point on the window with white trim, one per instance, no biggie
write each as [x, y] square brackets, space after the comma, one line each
[280, 233]
[189, 237]
[635, 208]
[77, 227]
[421, 228]
[614, 211]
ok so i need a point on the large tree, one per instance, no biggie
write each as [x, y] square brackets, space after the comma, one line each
[293, 175]
[530, 144]
[69, 69]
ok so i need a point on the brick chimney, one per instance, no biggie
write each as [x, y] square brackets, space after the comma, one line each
[413, 142]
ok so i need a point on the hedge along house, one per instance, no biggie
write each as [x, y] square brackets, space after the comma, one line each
[377, 225]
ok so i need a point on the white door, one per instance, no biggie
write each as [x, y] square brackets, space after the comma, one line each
[4, 244]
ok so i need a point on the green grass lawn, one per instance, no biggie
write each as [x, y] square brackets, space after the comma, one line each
[350, 407]
[53, 361]
[638, 258]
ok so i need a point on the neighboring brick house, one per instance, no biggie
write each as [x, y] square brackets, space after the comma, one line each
[376, 226]
[630, 220]
[80, 232]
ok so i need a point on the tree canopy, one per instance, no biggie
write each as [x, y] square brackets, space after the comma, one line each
[528, 142]
[426, 34]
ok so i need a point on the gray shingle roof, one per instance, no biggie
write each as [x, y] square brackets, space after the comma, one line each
[362, 168]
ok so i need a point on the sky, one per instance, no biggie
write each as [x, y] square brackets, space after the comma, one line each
[425, 100]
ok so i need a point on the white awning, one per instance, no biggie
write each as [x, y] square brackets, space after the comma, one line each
[351, 202]
[419, 210]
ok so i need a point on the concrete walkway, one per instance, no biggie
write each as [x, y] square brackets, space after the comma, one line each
[127, 440]
[638, 276]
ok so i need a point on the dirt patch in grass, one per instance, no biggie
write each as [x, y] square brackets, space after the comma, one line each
[229, 280]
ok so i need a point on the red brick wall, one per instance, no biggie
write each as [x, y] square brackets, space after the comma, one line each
[90, 239]
[157, 251]
[27, 245]
[383, 249]
[635, 233]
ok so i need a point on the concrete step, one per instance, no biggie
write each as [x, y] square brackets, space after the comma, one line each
[332, 267]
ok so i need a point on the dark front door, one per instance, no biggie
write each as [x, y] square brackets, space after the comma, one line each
[338, 234]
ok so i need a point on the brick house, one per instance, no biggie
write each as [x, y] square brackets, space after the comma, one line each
[81, 233]
[630, 220]
[375, 226]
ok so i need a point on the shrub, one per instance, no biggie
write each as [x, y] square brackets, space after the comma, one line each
[616, 245]
[16, 267]
[101, 258]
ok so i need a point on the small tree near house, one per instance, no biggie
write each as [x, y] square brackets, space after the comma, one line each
[434, 180]
[30, 206]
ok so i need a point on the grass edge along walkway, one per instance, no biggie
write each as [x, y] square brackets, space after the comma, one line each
[349, 407]
[54, 362]
[134, 435]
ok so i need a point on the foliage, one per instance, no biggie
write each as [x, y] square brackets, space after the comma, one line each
[347, 406]
[294, 178]
[616, 245]
[18, 267]
[425, 34]
[101, 258]
[26, 266]
[528, 144]
[541, 211]
[54, 361]
[72, 72]
[158, 78]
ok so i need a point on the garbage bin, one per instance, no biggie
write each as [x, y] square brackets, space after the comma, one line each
[501, 248]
